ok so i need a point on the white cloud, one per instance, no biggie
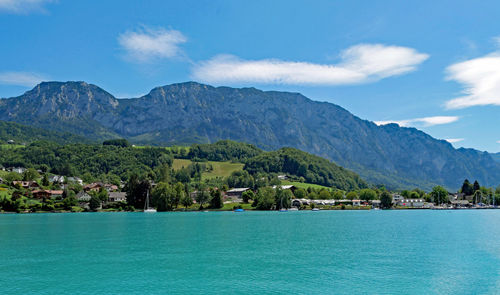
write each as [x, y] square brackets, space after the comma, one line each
[149, 44]
[498, 141]
[454, 140]
[21, 78]
[422, 122]
[23, 6]
[480, 78]
[359, 64]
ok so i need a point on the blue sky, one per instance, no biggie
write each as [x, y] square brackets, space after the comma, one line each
[434, 65]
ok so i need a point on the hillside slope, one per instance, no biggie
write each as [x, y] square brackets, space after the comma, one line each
[195, 113]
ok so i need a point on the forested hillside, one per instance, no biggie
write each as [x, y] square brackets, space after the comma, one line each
[21, 134]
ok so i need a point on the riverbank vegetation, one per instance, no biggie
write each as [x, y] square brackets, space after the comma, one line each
[45, 176]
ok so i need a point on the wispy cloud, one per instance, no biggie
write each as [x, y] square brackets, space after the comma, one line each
[23, 6]
[359, 64]
[454, 140]
[21, 78]
[421, 122]
[480, 78]
[148, 44]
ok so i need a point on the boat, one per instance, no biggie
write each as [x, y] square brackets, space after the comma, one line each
[239, 210]
[315, 209]
[293, 209]
[148, 209]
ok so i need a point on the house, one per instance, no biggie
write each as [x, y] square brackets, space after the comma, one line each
[46, 194]
[57, 179]
[282, 177]
[460, 203]
[75, 180]
[236, 192]
[396, 198]
[117, 197]
[375, 203]
[413, 203]
[19, 170]
[356, 202]
[25, 184]
[83, 196]
[111, 187]
[284, 187]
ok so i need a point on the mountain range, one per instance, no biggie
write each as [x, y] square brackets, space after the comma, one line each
[187, 113]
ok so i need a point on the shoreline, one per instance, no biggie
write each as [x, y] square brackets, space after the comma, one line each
[251, 210]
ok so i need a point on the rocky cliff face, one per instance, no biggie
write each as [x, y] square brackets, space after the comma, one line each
[190, 112]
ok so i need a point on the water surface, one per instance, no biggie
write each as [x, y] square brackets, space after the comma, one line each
[341, 252]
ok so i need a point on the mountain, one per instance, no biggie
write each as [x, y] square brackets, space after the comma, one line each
[190, 112]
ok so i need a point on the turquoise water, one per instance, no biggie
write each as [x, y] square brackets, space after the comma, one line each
[326, 252]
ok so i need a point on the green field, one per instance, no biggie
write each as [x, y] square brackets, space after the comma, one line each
[304, 185]
[167, 147]
[11, 146]
[220, 169]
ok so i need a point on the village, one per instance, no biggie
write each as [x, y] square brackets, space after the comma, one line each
[57, 193]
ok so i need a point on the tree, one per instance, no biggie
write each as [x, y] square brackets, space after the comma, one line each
[137, 191]
[300, 193]
[264, 199]
[186, 201]
[467, 188]
[475, 187]
[338, 195]
[352, 195]
[385, 200]
[103, 195]
[163, 197]
[283, 198]
[45, 180]
[247, 195]
[30, 174]
[94, 203]
[367, 194]
[202, 196]
[69, 202]
[216, 199]
[179, 194]
[324, 195]
[117, 142]
[439, 195]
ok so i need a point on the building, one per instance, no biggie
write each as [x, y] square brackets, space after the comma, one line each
[46, 194]
[25, 184]
[413, 203]
[117, 197]
[83, 196]
[356, 202]
[396, 198]
[460, 204]
[19, 170]
[284, 187]
[236, 192]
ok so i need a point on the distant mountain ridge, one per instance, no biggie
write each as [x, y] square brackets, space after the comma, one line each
[186, 113]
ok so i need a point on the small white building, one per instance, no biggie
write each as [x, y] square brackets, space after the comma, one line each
[412, 203]
[117, 197]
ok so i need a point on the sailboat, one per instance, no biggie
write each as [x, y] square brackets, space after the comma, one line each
[148, 209]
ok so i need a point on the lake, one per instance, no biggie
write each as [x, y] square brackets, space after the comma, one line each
[341, 252]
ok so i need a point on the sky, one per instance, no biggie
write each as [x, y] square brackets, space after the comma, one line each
[432, 65]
